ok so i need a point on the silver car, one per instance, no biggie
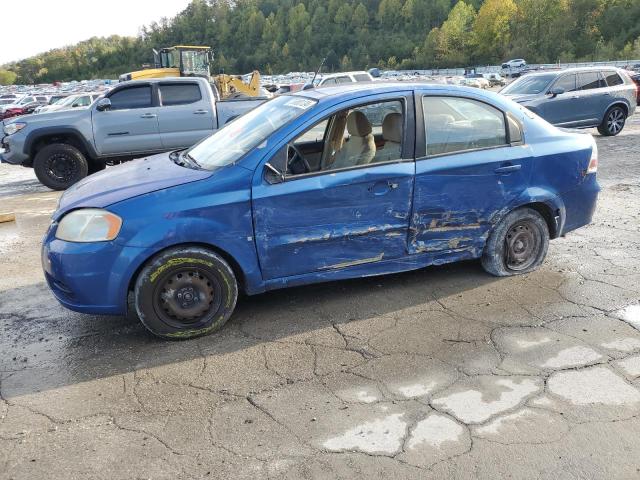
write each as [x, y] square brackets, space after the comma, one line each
[601, 97]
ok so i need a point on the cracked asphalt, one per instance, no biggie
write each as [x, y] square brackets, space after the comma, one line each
[445, 372]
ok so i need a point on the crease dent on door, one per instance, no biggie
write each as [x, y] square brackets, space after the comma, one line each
[447, 230]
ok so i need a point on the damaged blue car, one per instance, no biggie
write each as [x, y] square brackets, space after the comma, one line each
[325, 184]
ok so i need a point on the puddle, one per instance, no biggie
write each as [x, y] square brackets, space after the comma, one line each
[524, 344]
[597, 385]
[472, 406]
[630, 314]
[628, 344]
[381, 436]
[435, 430]
[524, 426]
[417, 389]
[630, 366]
[573, 357]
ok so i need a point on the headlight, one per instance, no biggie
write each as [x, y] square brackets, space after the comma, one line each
[89, 225]
[12, 128]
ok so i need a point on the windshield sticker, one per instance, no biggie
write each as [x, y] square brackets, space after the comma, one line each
[302, 103]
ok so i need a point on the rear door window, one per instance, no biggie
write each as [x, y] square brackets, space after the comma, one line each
[179, 93]
[131, 97]
[590, 81]
[613, 79]
[566, 82]
[344, 79]
[454, 124]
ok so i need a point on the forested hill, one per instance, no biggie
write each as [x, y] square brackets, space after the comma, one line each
[277, 36]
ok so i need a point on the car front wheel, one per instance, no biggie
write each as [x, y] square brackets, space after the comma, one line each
[58, 166]
[518, 244]
[185, 292]
[613, 122]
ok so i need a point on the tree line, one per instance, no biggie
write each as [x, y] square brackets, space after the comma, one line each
[277, 36]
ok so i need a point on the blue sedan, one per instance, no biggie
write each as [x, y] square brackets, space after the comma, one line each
[325, 184]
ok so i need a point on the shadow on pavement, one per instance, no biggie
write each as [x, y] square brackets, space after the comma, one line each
[45, 346]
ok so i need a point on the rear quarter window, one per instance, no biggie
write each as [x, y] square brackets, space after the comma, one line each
[361, 77]
[613, 79]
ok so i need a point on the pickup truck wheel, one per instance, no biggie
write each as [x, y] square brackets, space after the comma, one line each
[185, 292]
[613, 122]
[58, 166]
[518, 244]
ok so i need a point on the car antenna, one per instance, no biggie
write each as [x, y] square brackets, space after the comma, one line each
[310, 85]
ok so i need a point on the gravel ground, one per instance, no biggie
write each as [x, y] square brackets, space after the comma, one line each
[440, 373]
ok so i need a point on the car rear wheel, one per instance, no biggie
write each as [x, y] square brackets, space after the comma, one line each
[613, 122]
[58, 166]
[517, 245]
[185, 292]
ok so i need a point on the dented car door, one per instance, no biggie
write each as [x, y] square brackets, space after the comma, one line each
[338, 218]
[472, 164]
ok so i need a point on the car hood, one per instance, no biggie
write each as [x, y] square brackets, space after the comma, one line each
[126, 181]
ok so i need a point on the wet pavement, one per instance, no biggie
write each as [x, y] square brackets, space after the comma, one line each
[445, 372]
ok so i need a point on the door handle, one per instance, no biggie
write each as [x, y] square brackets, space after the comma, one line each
[200, 112]
[508, 169]
[575, 97]
[148, 115]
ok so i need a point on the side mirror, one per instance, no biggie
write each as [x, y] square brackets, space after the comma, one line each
[103, 104]
[555, 91]
[272, 174]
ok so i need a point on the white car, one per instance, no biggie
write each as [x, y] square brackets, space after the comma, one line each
[81, 100]
[344, 77]
[515, 63]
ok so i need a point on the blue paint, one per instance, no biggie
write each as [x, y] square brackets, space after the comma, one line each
[364, 221]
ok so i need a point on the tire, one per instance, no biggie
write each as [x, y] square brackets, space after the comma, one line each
[613, 122]
[59, 165]
[95, 167]
[185, 293]
[518, 244]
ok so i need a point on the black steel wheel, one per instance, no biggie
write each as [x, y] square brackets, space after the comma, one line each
[58, 166]
[185, 292]
[518, 244]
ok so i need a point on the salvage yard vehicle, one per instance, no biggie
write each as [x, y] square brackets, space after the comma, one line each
[602, 97]
[309, 188]
[134, 119]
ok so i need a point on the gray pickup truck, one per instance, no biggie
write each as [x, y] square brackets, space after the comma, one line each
[133, 120]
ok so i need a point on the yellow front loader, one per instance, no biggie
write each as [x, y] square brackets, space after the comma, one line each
[194, 61]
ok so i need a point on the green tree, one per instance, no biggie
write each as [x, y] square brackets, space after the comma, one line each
[492, 29]
[7, 77]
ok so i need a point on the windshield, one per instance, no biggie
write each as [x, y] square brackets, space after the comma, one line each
[67, 100]
[239, 137]
[529, 85]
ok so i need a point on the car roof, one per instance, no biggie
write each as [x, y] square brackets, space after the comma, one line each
[377, 87]
[342, 74]
[572, 70]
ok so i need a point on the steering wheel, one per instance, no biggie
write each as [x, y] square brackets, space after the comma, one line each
[297, 156]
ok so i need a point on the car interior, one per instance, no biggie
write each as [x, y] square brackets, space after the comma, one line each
[350, 138]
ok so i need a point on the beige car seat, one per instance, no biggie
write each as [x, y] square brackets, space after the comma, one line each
[360, 148]
[392, 135]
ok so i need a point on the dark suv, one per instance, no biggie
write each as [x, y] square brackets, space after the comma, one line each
[600, 97]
